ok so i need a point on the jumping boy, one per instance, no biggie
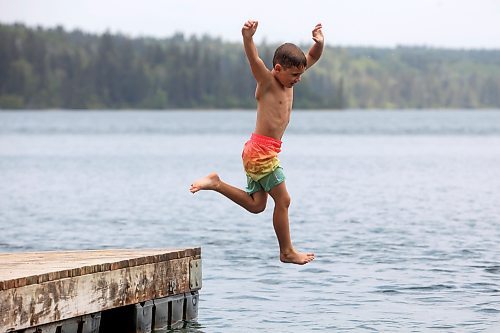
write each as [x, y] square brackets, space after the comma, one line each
[274, 95]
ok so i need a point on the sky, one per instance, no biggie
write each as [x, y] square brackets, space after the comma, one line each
[379, 23]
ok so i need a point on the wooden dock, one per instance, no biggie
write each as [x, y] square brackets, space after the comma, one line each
[93, 291]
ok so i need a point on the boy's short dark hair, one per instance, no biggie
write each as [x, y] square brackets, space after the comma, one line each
[289, 55]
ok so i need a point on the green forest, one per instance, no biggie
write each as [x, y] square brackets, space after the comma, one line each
[53, 68]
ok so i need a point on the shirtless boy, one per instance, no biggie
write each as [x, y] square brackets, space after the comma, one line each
[274, 94]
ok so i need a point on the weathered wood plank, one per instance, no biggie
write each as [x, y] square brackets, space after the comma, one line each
[21, 269]
[105, 280]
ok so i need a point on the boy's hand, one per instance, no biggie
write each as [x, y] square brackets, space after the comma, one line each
[317, 48]
[249, 28]
[318, 34]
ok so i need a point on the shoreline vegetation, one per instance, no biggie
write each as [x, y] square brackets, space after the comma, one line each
[44, 68]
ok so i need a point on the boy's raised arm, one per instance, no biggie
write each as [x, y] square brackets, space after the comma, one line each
[317, 49]
[259, 69]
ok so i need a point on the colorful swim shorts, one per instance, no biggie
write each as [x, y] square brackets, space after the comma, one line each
[260, 160]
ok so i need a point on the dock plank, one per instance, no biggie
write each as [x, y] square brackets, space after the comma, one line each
[38, 288]
[20, 269]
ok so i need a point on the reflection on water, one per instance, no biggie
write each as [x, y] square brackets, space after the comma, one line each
[401, 209]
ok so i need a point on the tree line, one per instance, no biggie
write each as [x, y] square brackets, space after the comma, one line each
[53, 68]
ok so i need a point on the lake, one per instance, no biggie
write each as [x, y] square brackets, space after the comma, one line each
[402, 209]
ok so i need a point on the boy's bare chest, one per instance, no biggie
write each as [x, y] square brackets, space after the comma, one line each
[273, 113]
[275, 98]
[285, 99]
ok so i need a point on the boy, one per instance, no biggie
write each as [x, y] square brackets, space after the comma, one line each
[274, 94]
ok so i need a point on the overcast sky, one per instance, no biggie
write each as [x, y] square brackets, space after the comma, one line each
[437, 23]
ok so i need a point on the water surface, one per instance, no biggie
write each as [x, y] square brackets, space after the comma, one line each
[401, 209]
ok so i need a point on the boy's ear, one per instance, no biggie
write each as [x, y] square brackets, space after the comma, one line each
[278, 67]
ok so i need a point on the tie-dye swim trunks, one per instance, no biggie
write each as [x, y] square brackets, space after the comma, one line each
[260, 160]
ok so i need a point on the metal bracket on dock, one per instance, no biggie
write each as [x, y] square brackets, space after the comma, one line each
[195, 274]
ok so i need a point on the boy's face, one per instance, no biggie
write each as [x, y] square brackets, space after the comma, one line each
[288, 77]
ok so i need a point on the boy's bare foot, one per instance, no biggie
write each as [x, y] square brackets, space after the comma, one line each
[210, 182]
[295, 257]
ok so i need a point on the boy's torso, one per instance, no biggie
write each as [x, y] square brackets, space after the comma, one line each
[274, 106]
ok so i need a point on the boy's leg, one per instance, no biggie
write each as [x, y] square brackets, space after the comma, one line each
[282, 227]
[255, 203]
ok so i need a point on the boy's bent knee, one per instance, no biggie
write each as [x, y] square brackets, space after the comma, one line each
[259, 202]
[256, 209]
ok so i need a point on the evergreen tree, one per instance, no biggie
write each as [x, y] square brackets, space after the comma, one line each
[52, 68]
